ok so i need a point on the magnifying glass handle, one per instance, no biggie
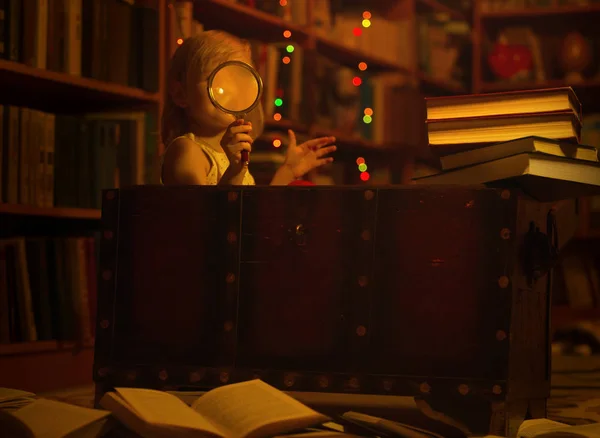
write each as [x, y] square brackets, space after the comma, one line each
[245, 154]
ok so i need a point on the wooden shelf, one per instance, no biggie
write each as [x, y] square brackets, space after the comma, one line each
[246, 22]
[540, 12]
[51, 91]
[436, 6]
[525, 85]
[440, 86]
[351, 58]
[19, 348]
[56, 212]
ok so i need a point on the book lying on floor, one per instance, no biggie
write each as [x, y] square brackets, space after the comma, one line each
[504, 103]
[521, 145]
[531, 164]
[11, 399]
[251, 409]
[544, 428]
[382, 427]
[450, 136]
[51, 419]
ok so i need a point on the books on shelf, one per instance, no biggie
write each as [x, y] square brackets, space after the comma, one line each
[52, 160]
[48, 289]
[109, 40]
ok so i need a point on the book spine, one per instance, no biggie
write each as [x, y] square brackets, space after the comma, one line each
[25, 135]
[41, 34]
[12, 167]
[49, 162]
[73, 19]
[13, 31]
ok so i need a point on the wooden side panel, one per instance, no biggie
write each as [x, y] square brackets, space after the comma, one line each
[442, 308]
[529, 365]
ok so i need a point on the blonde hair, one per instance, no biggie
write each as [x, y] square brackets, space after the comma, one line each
[196, 58]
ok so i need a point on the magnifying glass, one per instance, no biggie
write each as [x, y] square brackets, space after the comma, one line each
[235, 88]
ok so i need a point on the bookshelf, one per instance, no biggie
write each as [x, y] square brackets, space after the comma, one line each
[58, 92]
[47, 364]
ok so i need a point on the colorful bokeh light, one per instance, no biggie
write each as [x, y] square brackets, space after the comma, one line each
[359, 161]
[367, 119]
[283, 3]
[286, 60]
[356, 81]
[366, 15]
[364, 176]
[289, 48]
[277, 117]
[276, 143]
[362, 66]
[362, 167]
[366, 23]
[287, 34]
[179, 41]
[357, 31]
[278, 102]
[368, 111]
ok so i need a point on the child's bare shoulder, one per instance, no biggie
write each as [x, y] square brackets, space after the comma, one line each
[186, 149]
[184, 161]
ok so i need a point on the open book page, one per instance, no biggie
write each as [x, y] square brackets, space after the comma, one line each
[159, 408]
[14, 398]
[254, 409]
[49, 419]
[545, 428]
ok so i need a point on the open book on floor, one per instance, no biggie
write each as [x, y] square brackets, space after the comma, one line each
[251, 409]
[544, 428]
[53, 419]
[12, 399]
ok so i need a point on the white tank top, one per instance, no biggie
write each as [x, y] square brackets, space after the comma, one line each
[218, 162]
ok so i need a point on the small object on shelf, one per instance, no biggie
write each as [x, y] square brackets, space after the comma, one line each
[575, 56]
[510, 61]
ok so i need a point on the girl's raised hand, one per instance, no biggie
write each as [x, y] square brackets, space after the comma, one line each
[236, 139]
[309, 155]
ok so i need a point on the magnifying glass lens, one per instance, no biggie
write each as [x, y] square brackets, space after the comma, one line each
[234, 88]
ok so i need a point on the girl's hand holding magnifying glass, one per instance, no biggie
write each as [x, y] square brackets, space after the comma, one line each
[235, 140]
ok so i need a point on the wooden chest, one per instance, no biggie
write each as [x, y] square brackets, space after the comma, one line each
[439, 293]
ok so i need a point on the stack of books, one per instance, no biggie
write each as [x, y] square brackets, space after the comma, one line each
[525, 136]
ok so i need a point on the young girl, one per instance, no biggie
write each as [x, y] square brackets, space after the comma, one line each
[204, 144]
